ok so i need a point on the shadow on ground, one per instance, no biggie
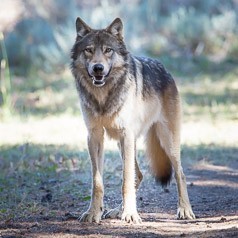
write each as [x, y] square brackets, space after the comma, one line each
[44, 189]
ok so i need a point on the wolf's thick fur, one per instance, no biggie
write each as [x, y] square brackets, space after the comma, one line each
[127, 96]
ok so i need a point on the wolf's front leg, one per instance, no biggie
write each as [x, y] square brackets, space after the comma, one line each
[129, 211]
[95, 147]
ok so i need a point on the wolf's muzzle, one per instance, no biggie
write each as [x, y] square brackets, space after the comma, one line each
[98, 76]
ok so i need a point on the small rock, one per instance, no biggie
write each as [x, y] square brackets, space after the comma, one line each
[70, 216]
[223, 219]
[8, 221]
[35, 225]
[46, 198]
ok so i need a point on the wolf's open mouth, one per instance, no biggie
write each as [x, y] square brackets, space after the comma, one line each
[98, 81]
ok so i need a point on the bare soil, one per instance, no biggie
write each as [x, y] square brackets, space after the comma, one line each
[213, 191]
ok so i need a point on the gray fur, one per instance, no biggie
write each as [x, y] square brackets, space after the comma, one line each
[130, 96]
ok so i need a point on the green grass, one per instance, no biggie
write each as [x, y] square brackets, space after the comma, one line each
[208, 89]
[45, 180]
[30, 172]
[41, 94]
[49, 181]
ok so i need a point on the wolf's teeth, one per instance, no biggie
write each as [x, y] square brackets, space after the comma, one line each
[98, 83]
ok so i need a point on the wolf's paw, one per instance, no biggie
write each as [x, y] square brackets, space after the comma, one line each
[114, 213]
[131, 218]
[185, 213]
[91, 216]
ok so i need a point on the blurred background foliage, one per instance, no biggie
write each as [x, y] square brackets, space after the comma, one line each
[43, 34]
[189, 36]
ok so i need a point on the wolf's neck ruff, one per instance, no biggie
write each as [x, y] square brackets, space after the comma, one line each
[100, 65]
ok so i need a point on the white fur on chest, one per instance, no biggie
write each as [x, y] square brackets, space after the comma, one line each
[137, 116]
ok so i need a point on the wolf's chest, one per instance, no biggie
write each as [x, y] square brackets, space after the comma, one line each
[102, 102]
[105, 107]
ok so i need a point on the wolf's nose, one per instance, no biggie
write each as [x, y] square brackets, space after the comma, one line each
[98, 68]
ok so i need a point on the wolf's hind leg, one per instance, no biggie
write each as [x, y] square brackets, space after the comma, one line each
[117, 212]
[170, 142]
[139, 175]
[168, 132]
[114, 213]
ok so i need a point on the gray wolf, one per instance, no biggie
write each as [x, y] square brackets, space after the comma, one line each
[127, 96]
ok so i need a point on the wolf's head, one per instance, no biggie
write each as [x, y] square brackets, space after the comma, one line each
[99, 54]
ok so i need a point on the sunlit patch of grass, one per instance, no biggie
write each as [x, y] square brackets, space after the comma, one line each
[205, 97]
[56, 130]
[212, 154]
[41, 94]
[30, 157]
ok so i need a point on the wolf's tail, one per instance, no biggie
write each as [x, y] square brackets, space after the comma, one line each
[159, 161]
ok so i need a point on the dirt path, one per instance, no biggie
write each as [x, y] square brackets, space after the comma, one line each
[213, 191]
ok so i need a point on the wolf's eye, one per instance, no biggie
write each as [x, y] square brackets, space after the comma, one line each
[108, 50]
[88, 50]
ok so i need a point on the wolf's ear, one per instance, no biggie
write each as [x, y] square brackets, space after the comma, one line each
[82, 28]
[116, 28]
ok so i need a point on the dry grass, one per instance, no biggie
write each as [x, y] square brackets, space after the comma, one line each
[70, 130]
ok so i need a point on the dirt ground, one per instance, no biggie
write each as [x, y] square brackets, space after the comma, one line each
[213, 191]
